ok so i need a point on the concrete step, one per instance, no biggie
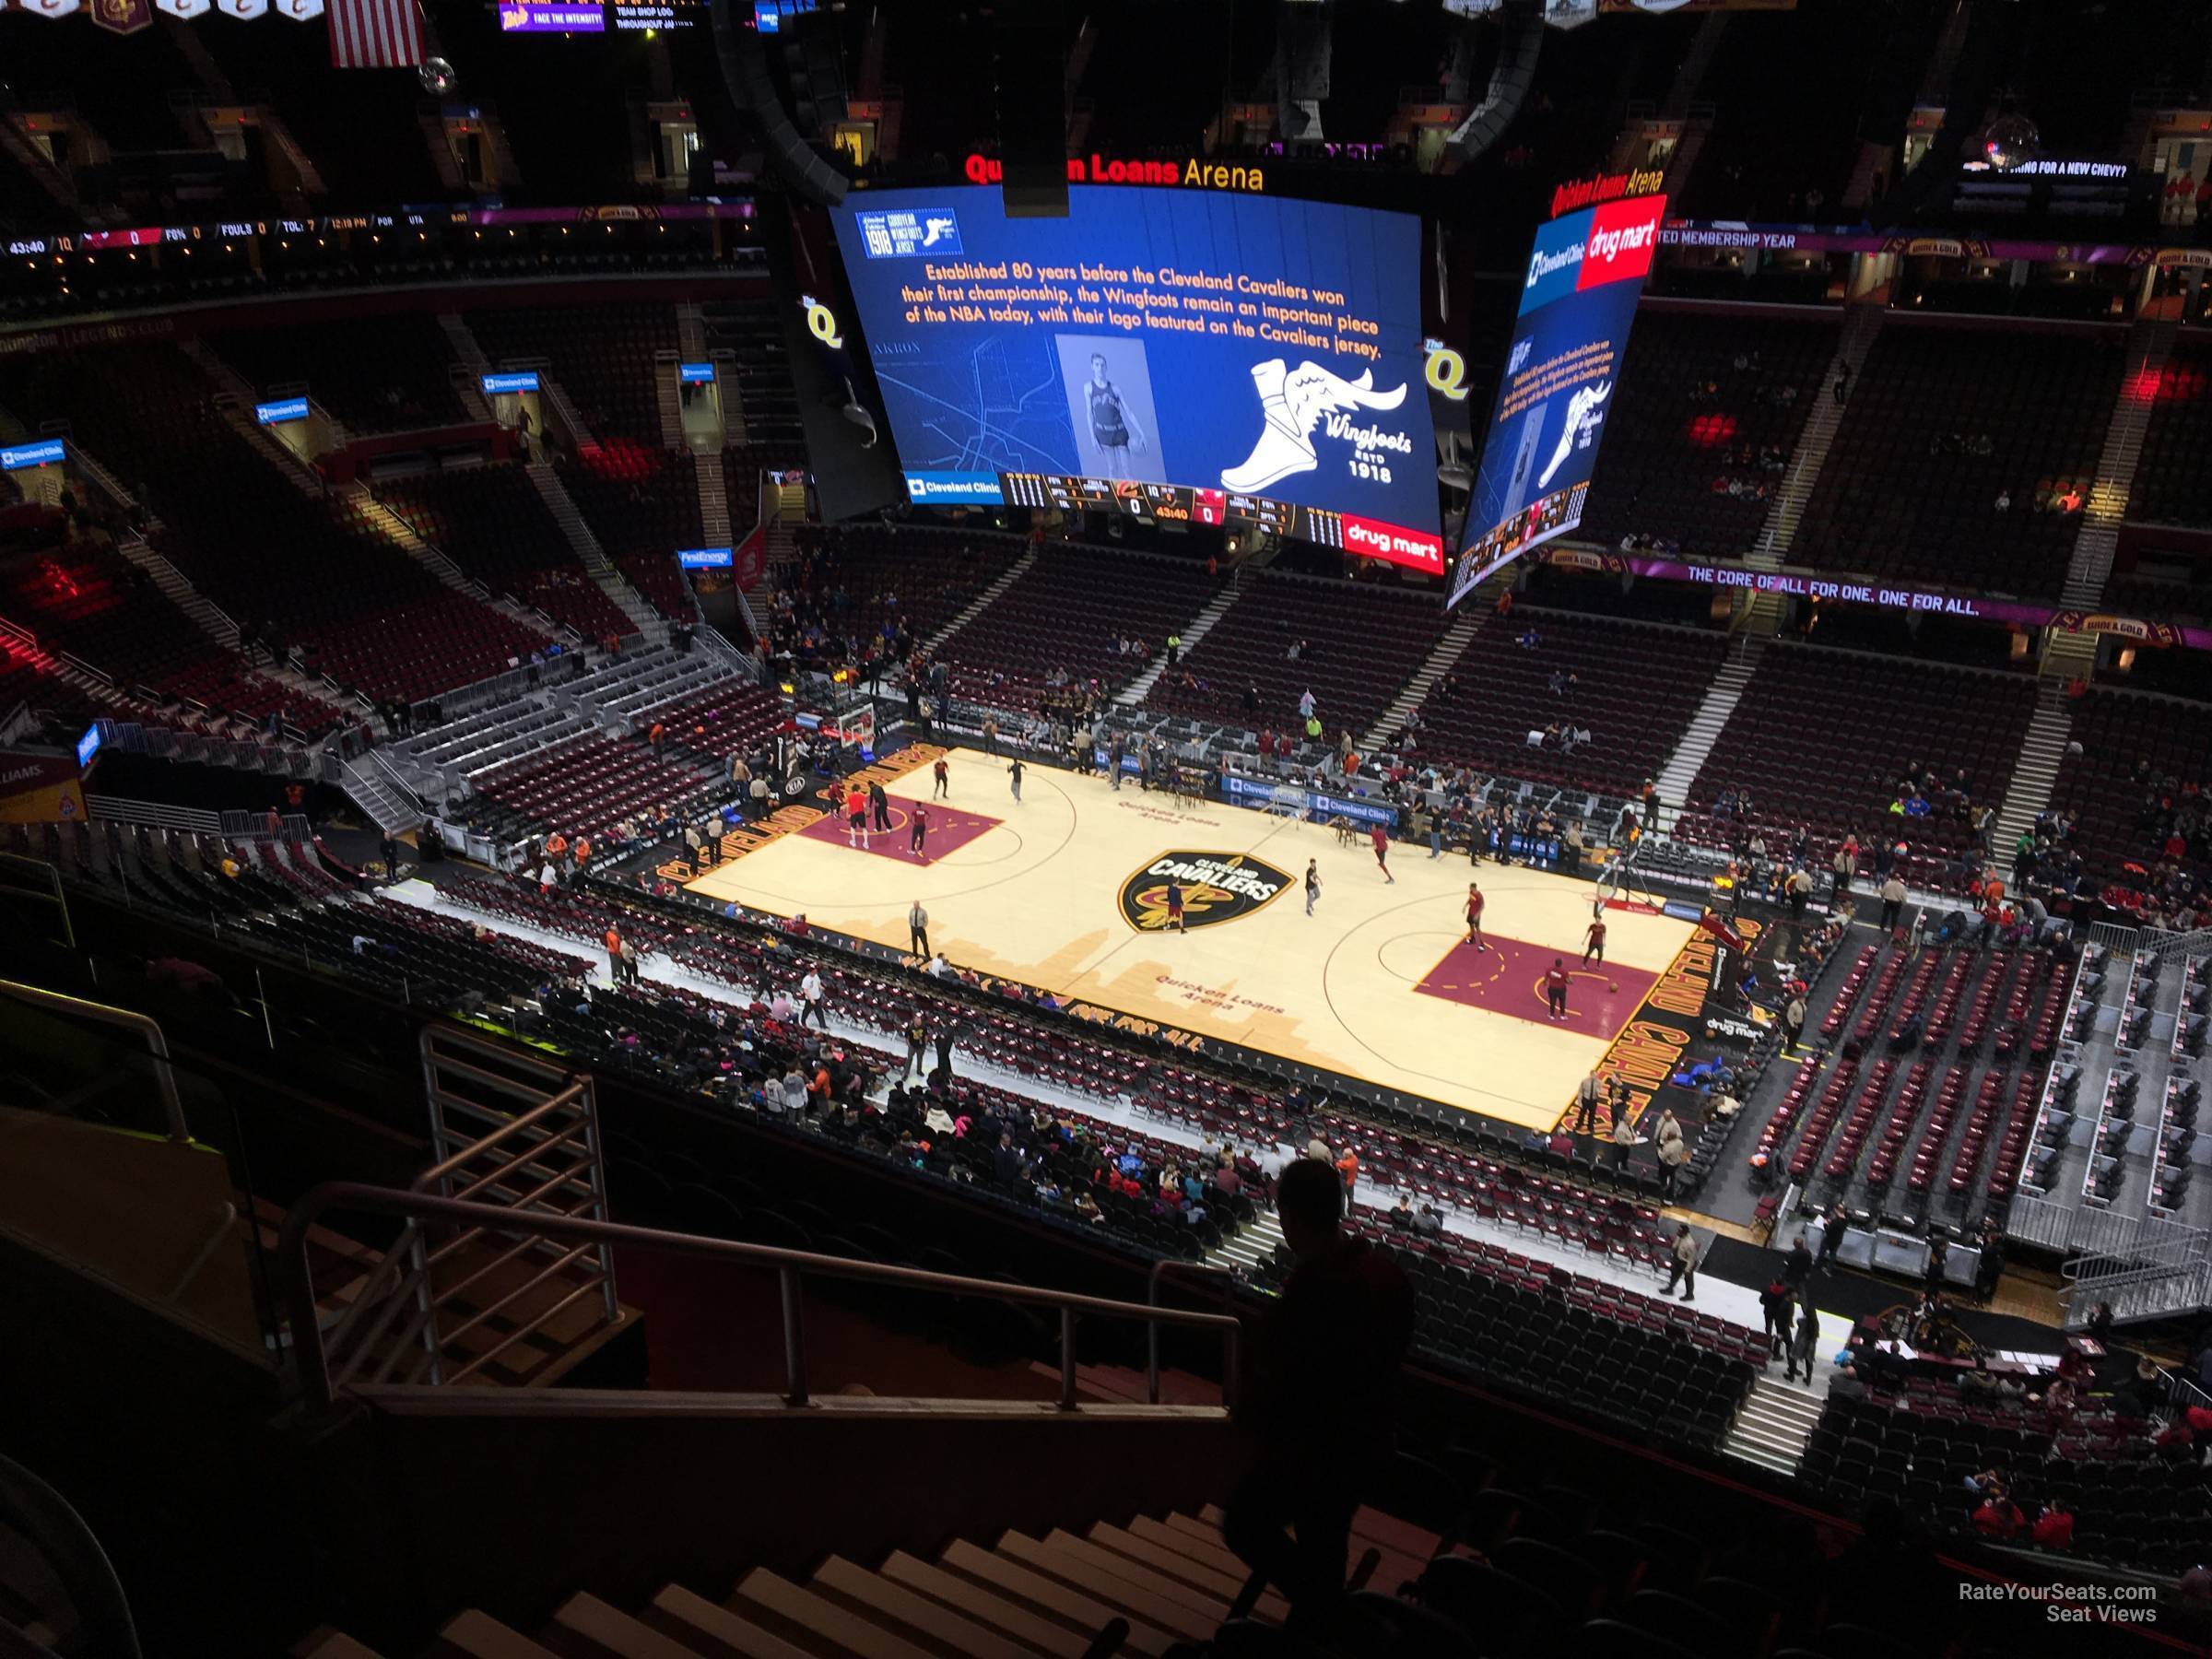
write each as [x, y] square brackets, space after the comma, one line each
[476, 1635]
[1045, 1597]
[984, 1606]
[908, 1615]
[586, 1628]
[703, 1627]
[813, 1622]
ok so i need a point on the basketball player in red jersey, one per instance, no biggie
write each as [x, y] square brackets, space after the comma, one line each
[1474, 904]
[1595, 942]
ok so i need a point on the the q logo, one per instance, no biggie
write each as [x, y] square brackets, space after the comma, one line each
[821, 323]
[1447, 371]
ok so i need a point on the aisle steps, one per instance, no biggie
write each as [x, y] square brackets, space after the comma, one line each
[1153, 1582]
[1771, 1430]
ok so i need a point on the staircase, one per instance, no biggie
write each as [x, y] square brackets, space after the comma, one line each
[1777, 535]
[380, 796]
[1006, 579]
[468, 378]
[431, 121]
[562, 506]
[713, 501]
[2035, 773]
[1140, 1587]
[2149, 342]
[560, 409]
[1250, 1247]
[44, 173]
[1197, 629]
[1704, 730]
[208, 616]
[1448, 649]
[1772, 1428]
[786, 505]
[2150, 1268]
[235, 405]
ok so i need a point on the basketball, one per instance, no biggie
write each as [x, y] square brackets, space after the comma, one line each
[1612, 984]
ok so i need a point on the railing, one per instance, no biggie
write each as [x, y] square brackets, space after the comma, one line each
[1161, 1268]
[83, 1576]
[157, 1045]
[535, 1111]
[159, 815]
[2136, 1252]
[792, 1268]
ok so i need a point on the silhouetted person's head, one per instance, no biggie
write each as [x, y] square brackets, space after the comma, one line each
[1309, 1201]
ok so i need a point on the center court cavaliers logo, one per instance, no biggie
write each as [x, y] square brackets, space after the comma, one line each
[1217, 887]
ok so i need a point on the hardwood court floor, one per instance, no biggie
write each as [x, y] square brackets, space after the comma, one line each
[1061, 890]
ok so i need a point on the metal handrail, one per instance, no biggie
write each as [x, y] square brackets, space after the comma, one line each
[156, 1045]
[1159, 1269]
[791, 1267]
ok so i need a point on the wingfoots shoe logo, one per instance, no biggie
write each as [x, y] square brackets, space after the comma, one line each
[1292, 402]
[1215, 886]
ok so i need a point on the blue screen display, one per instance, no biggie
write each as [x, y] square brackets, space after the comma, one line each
[86, 747]
[1171, 336]
[26, 455]
[523, 380]
[284, 409]
[703, 559]
[695, 374]
[1578, 299]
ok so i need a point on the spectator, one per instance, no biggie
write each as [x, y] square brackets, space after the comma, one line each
[1999, 1517]
[2053, 1527]
[1672, 1150]
[1775, 1307]
[1804, 1344]
[1328, 1352]
[1684, 1271]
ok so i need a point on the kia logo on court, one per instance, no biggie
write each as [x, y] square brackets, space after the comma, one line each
[1217, 887]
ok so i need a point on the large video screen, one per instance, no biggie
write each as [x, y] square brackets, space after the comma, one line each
[1578, 301]
[1170, 352]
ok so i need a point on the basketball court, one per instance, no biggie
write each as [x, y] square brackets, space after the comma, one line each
[1067, 890]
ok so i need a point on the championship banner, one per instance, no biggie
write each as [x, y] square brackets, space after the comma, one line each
[123, 16]
[189, 10]
[49, 8]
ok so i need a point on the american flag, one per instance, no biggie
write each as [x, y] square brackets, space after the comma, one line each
[376, 34]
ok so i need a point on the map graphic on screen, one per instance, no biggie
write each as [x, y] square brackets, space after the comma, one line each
[1268, 352]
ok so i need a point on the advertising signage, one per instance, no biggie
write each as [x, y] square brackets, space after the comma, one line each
[494, 384]
[695, 374]
[284, 409]
[704, 558]
[1578, 299]
[23, 456]
[537, 17]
